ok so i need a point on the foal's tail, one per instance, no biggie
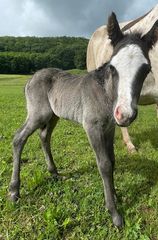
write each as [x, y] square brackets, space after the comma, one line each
[36, 93]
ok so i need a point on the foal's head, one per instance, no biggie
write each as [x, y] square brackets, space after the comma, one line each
[130, 65]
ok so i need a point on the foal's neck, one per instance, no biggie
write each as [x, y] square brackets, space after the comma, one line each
[104, 78]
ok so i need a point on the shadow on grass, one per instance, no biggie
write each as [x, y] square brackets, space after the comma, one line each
[135, 165]
[144, 176]
[150, 134]
[66, 176]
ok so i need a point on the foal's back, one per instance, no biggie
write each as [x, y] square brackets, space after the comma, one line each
[67, 95]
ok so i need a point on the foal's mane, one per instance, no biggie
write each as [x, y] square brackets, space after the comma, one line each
[131, 38]
[102, 73]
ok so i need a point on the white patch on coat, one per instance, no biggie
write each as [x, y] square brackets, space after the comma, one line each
[127, 62]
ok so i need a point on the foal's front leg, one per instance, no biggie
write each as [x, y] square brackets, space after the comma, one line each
[99, 141]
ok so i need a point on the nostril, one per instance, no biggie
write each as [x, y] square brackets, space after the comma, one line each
[118, 114]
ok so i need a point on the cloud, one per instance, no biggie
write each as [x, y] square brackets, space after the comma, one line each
[138, 8]
[65, 17]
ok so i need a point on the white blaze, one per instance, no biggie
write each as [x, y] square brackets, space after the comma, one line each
[127, 62]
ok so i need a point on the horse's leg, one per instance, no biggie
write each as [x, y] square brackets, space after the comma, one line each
[110, 149]
[127, 140]
[19, 141]
[100, 143]
[157, 110]
[45, 135]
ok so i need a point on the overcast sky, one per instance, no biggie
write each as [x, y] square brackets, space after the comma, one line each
[65, 17]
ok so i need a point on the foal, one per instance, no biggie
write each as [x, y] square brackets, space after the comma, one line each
[91, 100]
[99, 51]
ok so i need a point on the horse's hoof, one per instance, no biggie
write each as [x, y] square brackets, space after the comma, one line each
[59, 177]
[118, 221]
[132, 150]
[14, 197]
[130, 147]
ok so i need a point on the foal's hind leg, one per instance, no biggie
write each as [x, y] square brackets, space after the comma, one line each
[19, 141]
[45, 135]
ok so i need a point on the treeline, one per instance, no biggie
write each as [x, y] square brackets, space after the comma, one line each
[27, 54]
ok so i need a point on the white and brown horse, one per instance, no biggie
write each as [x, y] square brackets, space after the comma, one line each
[100, 51]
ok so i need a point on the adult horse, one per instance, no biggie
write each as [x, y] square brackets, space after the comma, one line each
[100, 51]
[91, 100]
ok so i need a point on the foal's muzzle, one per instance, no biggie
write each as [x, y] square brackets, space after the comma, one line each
[124, 119]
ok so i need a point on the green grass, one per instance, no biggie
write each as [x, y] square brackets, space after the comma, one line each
[74, 208]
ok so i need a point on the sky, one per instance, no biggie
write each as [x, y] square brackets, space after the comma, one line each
[79, 18]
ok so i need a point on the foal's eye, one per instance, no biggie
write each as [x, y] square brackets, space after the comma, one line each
[112, 69]
[148, 68]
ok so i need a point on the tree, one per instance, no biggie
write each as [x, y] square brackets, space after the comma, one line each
[28, 54]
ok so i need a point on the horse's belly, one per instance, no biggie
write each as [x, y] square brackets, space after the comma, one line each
[149, 92]
[146, 100]
[65, 107]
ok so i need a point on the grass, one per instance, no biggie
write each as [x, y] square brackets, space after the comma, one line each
[73, 209]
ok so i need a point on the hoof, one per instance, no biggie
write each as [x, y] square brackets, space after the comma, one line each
[14, 197]
[131, 148]
[118, 221]
[58, 177]
[54, 174]
[14, 189]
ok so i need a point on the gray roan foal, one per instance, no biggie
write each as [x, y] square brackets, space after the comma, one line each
[95, 100]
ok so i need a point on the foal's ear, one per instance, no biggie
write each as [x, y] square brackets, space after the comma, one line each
[114, 30]
[151, 37]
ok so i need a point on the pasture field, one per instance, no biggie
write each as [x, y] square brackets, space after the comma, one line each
[73, 209]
